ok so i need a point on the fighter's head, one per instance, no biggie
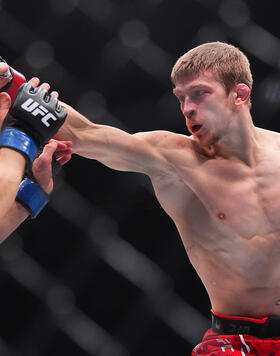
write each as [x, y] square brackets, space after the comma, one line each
[229, 65]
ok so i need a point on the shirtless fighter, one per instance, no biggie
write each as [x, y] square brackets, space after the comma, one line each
[220, 186]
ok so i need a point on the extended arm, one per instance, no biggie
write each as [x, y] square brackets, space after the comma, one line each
[111, 146]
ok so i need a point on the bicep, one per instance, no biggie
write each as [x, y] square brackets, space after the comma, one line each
[111, 146]
[134, 152]
[120, 150]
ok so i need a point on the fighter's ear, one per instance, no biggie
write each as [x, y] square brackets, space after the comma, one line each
[5, 104]
[242, 94]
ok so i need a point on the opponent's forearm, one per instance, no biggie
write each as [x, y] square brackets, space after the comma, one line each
[11, 220]
[12, 166]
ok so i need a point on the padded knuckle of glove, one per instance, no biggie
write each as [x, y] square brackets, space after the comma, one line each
[33, 119]
[35, 112]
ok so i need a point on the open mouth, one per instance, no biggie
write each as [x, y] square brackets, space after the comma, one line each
[196, 128]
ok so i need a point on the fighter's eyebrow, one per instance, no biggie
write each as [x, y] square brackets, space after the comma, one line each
[177, 91]
[197, 85]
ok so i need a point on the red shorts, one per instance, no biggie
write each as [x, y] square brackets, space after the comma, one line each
[215, 344]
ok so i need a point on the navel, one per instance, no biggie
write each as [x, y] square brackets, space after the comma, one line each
[221, 216]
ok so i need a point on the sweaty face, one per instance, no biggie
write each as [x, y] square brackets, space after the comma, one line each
[206, 107]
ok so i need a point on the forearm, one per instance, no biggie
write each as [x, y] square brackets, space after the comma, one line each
[11, 220]
[100, 142]
[79, 130]
[111, 146]
[12, 165]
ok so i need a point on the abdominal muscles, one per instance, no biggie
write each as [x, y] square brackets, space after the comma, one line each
[242, 277]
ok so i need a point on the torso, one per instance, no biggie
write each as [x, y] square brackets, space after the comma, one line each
[228, 216]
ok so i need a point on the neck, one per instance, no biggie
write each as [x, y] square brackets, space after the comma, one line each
[239, 141]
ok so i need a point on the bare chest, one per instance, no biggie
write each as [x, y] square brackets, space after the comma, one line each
[245, 200]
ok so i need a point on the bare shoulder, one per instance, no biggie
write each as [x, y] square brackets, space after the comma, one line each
[270, 138]
[166, 139]
[169, 151]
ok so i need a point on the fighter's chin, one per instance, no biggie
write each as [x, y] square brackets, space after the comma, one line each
[206, 139]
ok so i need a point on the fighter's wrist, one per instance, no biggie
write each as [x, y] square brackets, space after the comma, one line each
[18, 140]
[32, 197]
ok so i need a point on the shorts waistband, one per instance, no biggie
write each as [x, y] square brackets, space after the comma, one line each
[234, 325]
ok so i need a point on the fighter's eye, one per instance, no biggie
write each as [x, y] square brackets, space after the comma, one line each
[199, 92]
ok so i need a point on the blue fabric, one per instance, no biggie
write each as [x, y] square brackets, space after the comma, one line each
[19, 141]
[32, 197]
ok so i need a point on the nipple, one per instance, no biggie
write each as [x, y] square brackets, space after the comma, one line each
[221, 216]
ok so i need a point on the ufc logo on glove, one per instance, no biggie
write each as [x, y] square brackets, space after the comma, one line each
[35, 109]
[33, 119]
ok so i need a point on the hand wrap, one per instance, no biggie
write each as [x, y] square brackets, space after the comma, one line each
[32, 197]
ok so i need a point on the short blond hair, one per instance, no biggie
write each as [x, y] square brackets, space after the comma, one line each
[229, 65]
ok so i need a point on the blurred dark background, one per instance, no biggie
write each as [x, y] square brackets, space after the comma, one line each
[102, 270]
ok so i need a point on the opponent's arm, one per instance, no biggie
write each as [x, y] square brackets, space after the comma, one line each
[42, 171]
[111, 146]
[11, 162]
[12, 166]
[29, 123]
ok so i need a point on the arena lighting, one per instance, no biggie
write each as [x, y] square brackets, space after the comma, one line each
[134, 34]
[39, 54]
[234, 13]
